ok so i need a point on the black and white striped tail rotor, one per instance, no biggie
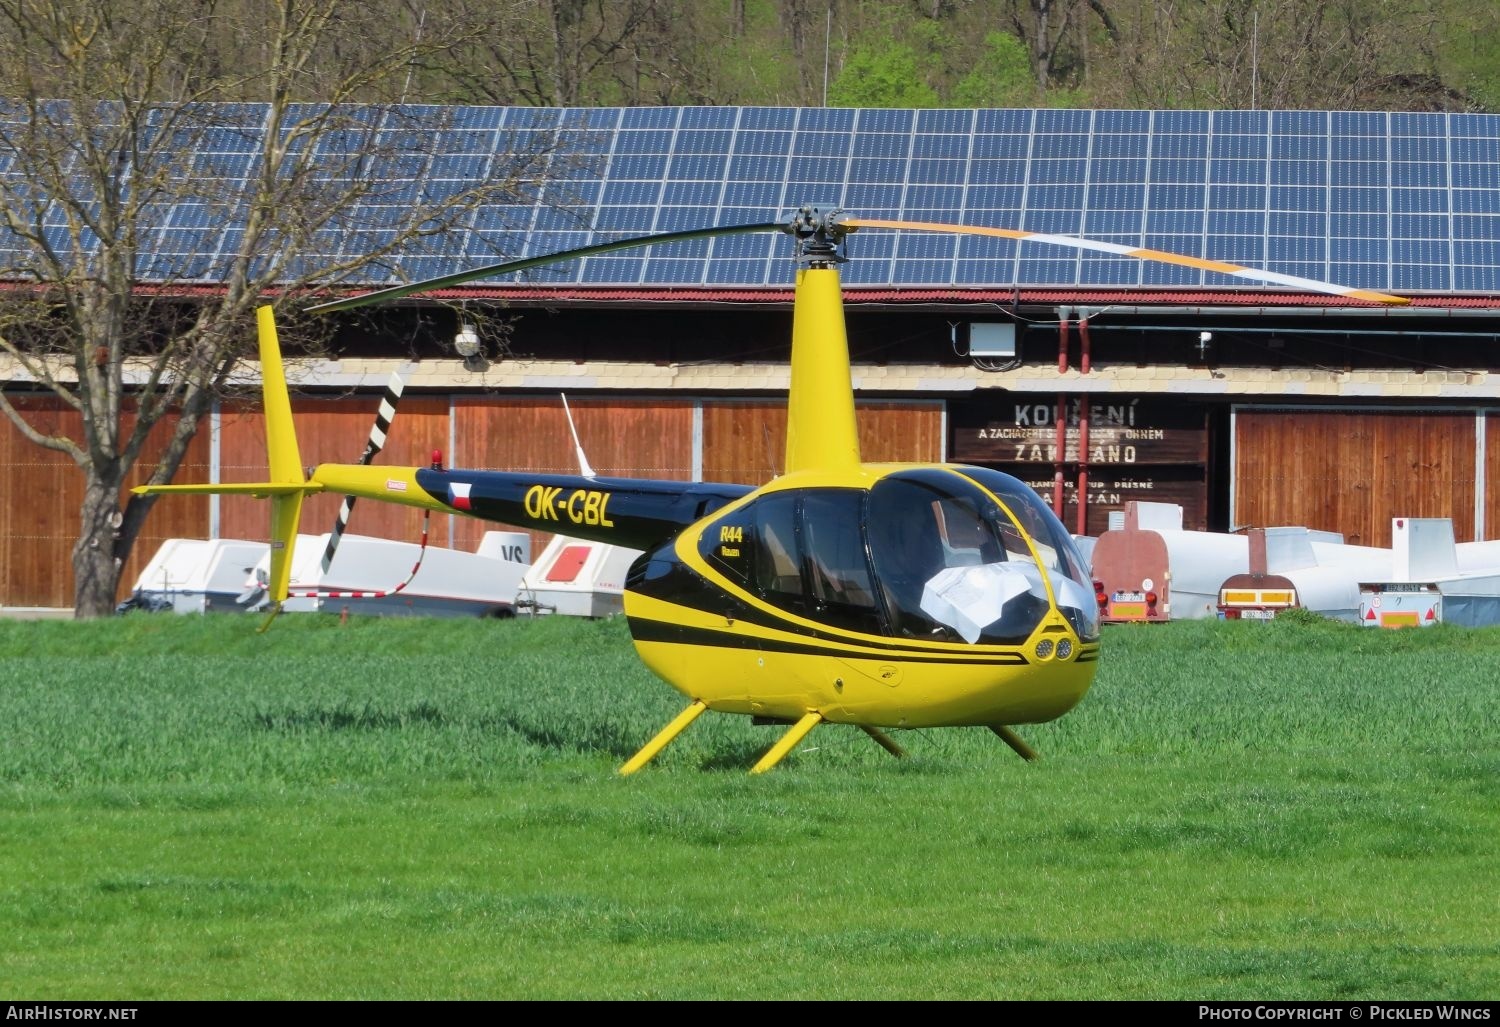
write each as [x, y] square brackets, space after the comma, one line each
[376, 443]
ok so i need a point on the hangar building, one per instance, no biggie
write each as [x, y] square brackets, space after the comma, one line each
[1245, 403]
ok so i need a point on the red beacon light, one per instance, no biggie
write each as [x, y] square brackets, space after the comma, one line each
[1151, 598]
[437, 459]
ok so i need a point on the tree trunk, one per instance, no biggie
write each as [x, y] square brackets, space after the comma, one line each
[96, 565]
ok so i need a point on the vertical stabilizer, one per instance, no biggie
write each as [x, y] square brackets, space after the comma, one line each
[281, 437]
[285, 460]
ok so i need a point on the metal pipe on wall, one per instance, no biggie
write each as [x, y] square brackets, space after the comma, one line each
[1061, 442]
[1083, 465]
[1084, 365]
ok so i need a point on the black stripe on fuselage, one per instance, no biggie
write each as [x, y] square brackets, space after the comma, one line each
[644, 629]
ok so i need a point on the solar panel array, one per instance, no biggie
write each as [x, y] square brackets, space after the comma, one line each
[1388, 201]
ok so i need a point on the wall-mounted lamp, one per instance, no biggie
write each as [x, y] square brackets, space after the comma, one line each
[466, 342]
[1205, 339]
[468, 345]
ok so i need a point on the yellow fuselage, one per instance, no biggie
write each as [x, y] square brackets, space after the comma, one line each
[870, 687]
[744, 655]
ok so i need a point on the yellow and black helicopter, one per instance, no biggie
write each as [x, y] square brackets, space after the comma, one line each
[878, 595]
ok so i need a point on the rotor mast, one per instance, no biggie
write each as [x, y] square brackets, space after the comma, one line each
[820, 431]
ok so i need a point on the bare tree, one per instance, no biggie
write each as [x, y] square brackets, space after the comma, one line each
[555, 53]
[1054, 32]
[126, 184]
[1280, 54]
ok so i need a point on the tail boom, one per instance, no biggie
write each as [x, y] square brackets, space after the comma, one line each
[635, 513]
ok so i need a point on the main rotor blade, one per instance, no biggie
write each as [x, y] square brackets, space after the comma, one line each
[510, 266]
[1160, 256]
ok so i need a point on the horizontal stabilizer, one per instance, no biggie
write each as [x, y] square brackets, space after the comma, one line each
[259, 488]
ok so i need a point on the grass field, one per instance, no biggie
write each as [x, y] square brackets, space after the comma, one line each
[429, 810]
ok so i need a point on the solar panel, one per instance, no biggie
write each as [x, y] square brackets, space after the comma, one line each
[1396, 201]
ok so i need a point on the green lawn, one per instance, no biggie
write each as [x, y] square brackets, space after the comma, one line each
[429, 809]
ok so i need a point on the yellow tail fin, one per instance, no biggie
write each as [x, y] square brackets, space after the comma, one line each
[281, 436]
[282, 453]
[288, 482]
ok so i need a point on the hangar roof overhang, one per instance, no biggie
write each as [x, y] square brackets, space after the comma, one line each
[1238, 303]
[1155, 302]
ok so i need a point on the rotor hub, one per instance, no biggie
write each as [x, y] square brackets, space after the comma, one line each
[819, 236]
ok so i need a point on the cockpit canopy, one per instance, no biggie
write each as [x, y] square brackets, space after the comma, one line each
[926, 553]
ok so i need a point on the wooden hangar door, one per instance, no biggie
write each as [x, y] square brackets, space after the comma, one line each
[744, 441]
[1351, 471]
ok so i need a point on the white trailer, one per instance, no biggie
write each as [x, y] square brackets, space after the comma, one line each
[577, 578]
[382, 577]
[191, 575]
[1432, 580]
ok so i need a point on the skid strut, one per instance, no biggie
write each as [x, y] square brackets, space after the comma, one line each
[885, 740]
[1013, 740]
[664, 736]
[780, 749]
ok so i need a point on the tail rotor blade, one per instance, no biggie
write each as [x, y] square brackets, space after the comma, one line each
[383, 417]
[373, 447]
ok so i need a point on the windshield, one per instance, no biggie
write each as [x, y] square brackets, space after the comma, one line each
[951, 563]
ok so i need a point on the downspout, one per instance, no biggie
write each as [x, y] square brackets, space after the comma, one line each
[1060, 418]
[1083, 464]
[1062, 342]
[1083, 430]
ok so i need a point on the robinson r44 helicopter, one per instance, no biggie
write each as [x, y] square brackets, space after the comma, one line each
[878, 595]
